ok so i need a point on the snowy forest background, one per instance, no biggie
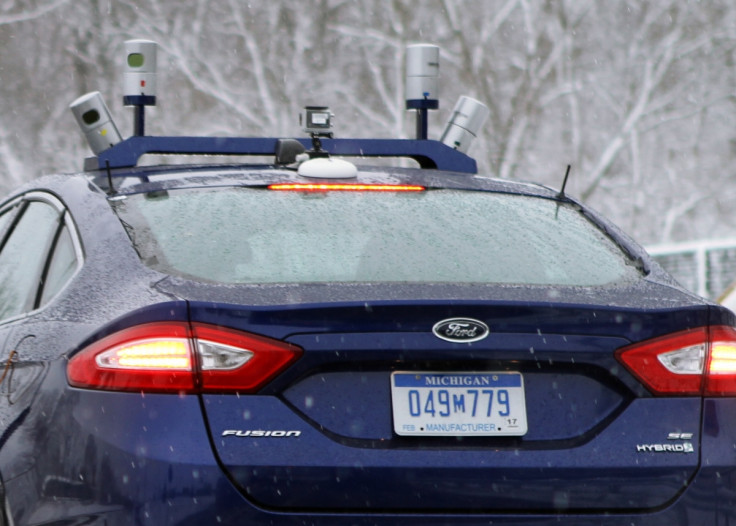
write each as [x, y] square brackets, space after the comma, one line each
[638, 96]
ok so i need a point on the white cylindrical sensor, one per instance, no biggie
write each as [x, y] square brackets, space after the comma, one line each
[422, 72]
[96, 122]
[466, 120]
[139, 76]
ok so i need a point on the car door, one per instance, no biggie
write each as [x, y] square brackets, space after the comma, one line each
[38, 257]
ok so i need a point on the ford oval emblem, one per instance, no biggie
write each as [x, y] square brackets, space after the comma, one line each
[463, 330]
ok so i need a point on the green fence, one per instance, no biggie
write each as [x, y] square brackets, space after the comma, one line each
[705, 267]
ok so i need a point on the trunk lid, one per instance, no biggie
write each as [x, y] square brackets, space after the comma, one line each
[321, 436]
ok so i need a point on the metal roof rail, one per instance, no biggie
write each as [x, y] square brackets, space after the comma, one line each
[428, 153]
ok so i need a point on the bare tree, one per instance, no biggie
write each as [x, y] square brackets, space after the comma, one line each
[637, 96]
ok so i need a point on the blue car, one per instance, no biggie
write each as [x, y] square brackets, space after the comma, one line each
[245, 344]
[312, 340]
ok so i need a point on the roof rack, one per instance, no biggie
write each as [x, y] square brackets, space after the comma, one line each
[422, 79]
[428, 153]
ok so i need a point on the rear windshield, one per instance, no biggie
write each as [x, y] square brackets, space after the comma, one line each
[256, 235]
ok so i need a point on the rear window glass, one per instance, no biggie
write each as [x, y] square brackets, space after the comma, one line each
[254, 235]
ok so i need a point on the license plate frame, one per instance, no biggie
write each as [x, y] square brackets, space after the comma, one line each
[457, 403]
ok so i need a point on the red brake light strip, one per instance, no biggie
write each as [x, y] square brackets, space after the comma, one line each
[318, 187]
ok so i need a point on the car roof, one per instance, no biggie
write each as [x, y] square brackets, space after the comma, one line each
[77, 191]
[151, 178]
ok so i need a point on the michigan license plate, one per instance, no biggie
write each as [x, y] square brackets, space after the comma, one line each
[458, 404]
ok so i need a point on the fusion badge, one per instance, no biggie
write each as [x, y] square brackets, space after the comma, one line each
[462, 330]
[256, 433]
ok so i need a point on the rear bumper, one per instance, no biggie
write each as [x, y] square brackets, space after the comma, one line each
[224, 505]
[112, 458]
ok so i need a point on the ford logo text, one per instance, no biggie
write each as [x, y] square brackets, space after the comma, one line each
[462, 330]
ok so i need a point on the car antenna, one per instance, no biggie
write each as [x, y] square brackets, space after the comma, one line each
[561, 195]
[111, 192]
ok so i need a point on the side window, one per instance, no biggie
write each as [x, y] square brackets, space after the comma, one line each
[23, 258]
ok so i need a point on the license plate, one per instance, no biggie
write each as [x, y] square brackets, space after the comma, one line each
[458, 404]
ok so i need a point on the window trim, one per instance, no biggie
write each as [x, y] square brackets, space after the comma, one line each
[19, 205]
[50, 253]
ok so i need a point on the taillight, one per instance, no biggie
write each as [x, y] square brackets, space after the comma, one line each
[721, 377]
[236, 361]
[177, 357]
[694, 362]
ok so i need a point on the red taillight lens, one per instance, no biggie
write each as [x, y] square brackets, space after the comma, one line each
[721, 377]
[693, 362]
[177, 357]
[151, 357]
[235, 361]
